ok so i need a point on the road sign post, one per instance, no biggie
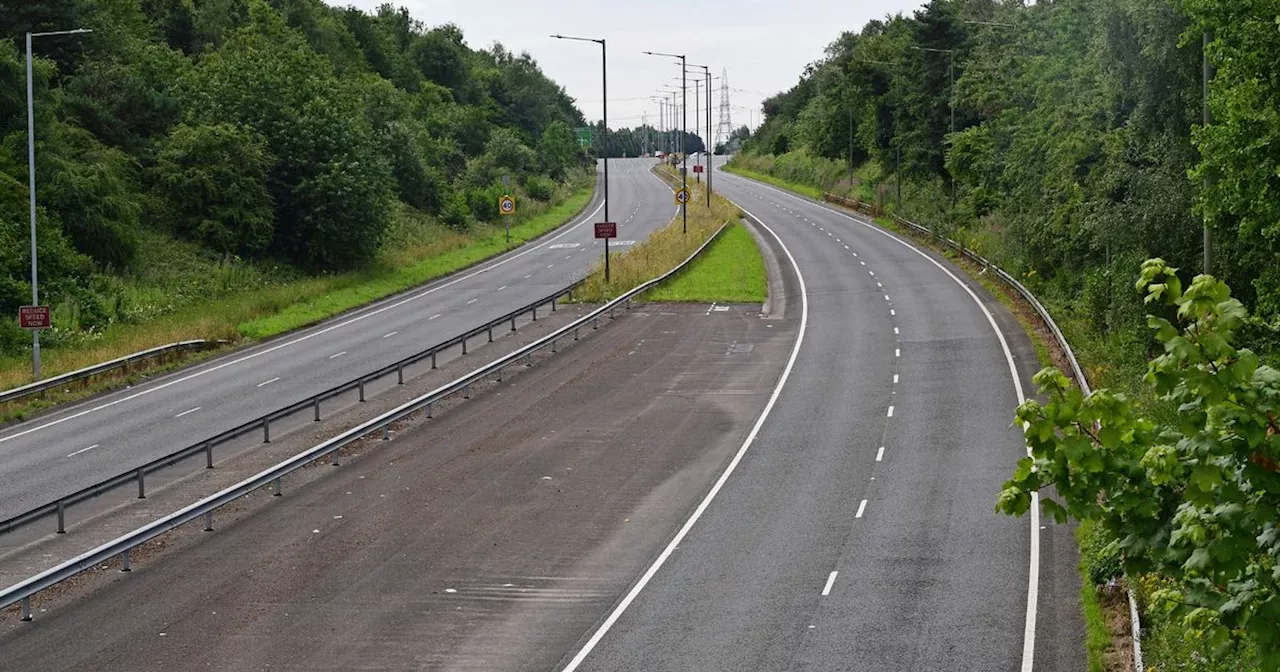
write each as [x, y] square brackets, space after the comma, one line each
[34, 317]
[606, 230]
[507, 207]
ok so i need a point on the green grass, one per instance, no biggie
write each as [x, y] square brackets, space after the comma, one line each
[730, 270]
[810, 191]
[1097, 636]
[389, 279]
[185, 292]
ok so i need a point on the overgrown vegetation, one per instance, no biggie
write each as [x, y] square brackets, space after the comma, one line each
[1078, 151]
[192, 155]
[730, 270]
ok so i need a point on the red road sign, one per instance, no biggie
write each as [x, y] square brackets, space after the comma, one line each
[697, 169]
[34, 317]
[606, 230]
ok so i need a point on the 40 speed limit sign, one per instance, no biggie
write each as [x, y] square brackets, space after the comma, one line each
[507, 205]
[682, 196]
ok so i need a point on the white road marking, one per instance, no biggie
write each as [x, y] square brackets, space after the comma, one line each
[528, 276]
[891, 411]
[831, 580]
[472, 301]
[653, 568]
[846, 247]
[551, 265]
[863, 263]
[337, 354]
[1033, 581]
[880, 454]
[83, 450]
[861, 508]
[306, 337]
[897, 352]
[268, 382]
[502, 288]
[187, 412]
[873, 273]
[895, 379]
[391, 334]
[895, 331]
[879, 285]
[893, 312]
[434, 316]
[886, 297]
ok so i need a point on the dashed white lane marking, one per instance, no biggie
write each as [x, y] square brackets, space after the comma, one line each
[880, 454]
[893, 312]
[337, 354]
[895, 379]
[268, 382]
[863, 263]
[528, 276]
[472, 301]
[567, 229]
[434, 316]
[187, 412]
[891, 411]
[879, 285]
[502, 288]
[895, 331]
[83, 450]
[897, 352]
[551, 265]
[846, 247]
[390, 334]
[873, 273]
[886, 298]
[862, 507]
[831, 580]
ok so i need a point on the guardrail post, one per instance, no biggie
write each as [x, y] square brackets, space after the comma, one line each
[433, 360]
[208, 521]
[62, 517]
[386, 432]
[611, 314]
[553, 346]
[336, 460]
[317, 406]
[595, 324]
[464, 344]
[208, 454]
[575, 334]
[490, 333]
[466, 392]
[535, 312]
[276, 487]
[500, 374]
[125, 565]
[266, 429]
[399, 374]
[142, 487]
[528, 360]
[361, 386]
[553, 304]
[26, 609]
[428, 410]
[513, 323]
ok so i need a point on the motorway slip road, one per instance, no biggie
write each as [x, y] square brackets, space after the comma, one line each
[61, 452]
[490, 538]
[857, 531]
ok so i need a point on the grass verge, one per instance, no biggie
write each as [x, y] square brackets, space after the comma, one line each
[663, 250]
[222, 301]
[811, 192]
[730, 270]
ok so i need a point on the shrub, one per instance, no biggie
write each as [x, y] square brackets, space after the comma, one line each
[539, 188]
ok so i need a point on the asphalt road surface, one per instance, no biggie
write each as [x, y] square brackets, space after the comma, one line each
[58, 453]
[857, 531]
[488, 539]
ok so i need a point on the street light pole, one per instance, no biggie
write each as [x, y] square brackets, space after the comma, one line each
[31, 187]
[684, 131]
[711, 153]
[604, 145]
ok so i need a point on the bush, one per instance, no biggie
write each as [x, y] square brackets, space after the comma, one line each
[484, 202]
[539, 188]
[1099, 553]
[456, 212]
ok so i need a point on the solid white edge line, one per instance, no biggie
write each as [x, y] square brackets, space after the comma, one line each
[569, 228]
[862, 507]
[1033, 581]
[831, 581]
[724, 476]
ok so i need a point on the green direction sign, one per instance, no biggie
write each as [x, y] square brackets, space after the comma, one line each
[585, 136]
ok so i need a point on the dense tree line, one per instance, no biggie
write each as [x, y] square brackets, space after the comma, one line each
[285, 129]
[1079, 149]
[1078, 143]
[641, 140]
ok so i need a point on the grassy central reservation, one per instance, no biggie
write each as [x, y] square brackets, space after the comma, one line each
[730, 270]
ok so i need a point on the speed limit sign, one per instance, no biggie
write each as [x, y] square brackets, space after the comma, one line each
[682, 196]
[507, 205]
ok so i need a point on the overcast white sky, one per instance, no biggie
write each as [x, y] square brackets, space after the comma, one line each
[763, 45]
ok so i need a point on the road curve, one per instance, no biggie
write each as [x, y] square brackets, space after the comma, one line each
[857, 532]
[60, 452]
